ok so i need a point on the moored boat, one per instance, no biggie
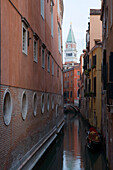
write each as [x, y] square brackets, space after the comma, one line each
[94, 139]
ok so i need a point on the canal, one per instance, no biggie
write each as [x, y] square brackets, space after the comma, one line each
[69, 151]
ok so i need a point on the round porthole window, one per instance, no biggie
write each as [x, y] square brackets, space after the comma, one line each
[7, 107]
[34, 104]
[42, 103]
[52, 102]
[48, 102]
[24, 106]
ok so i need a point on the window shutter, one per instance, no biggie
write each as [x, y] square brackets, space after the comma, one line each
[111, 67]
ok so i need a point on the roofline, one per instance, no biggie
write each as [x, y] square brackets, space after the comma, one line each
[96, 46]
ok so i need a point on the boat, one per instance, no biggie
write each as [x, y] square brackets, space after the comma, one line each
[94, 139]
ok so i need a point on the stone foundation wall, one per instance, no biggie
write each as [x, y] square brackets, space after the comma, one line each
[20, 136]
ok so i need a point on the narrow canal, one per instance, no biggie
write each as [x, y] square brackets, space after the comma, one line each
[69, 151]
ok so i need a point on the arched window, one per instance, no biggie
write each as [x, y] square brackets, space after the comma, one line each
[7, 107]
[52, 102]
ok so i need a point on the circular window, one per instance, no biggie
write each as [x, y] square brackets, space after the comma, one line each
[48, 102]
[42, 103]
[24, 106]
[52, 102]
[7, 107]
[34, 104]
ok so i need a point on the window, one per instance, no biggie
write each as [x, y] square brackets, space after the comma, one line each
[67, 93]
[69, 54]
[59, 39]
[35, 51]
[43, 58]
[67, 74]
[52, 102]
[42, 8]
[57, 71]
[52, 19]
[71, 94]
[42, 103]
[52, 67]
[48, 63]
[78, 73]
[94, 86]
[71, 83]
[94, 60]
[7, 107]
[48, 102]
[24, 38]
[78, 93]
[24, 106]
[71, 73]
[34, 104]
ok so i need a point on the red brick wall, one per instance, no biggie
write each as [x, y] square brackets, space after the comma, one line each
[17, 69]
[20, 73]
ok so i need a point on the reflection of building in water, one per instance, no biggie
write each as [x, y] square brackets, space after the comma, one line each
[53, 158]
[91, 161]
[72, 146]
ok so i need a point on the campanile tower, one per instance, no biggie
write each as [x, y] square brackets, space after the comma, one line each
[70, 48]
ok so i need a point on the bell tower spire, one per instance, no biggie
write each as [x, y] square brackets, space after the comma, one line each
[70, 47]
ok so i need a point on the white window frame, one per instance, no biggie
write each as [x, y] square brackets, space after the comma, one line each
[43, 58]
[42, 8]
[51, 19]
[52, 67]
[35, 50]
[24, 44]
[48, 63]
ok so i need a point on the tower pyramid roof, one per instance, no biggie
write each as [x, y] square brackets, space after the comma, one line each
[70, 38]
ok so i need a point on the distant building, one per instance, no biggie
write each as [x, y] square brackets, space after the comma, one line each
[71, 81]
[70, 48]
[71, 71]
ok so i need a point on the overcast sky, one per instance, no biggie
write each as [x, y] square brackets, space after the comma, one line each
[77, 12]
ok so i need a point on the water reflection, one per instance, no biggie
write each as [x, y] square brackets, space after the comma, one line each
[69, 151]
[76, 155]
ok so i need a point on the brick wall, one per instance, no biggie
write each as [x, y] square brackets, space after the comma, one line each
[21, 135]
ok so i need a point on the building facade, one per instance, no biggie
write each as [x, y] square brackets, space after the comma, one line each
[71, 81]
[31, 92]
[107, 77]
[94, 86]
[90, 79]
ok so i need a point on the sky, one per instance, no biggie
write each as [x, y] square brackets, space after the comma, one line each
[77, 12]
